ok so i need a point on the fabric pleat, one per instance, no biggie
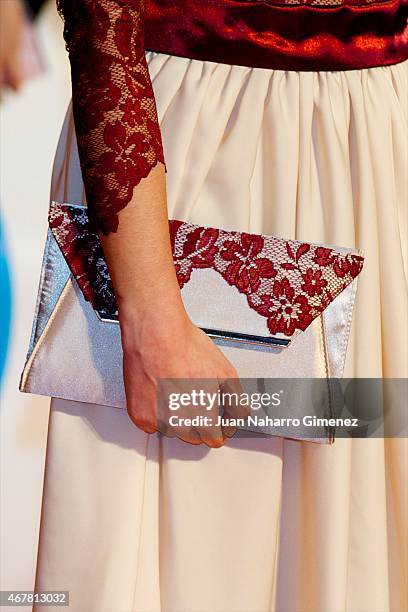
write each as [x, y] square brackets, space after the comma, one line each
[137, 523]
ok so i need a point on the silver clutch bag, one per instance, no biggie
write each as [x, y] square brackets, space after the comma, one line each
[278, 309]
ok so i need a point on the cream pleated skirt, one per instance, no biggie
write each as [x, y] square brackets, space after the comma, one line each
[134, 523]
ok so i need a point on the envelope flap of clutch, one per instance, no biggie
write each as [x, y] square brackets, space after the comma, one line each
[235, 285]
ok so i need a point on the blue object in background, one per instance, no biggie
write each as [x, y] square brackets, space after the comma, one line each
[5, 303]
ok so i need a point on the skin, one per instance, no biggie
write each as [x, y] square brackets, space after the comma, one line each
[159, 340]
[12, 21]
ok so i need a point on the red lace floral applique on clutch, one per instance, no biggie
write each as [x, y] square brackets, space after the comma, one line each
[290, 283]
[114, 109]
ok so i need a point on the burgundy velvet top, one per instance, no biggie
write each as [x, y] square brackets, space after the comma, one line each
[118, 135]
[281, 34]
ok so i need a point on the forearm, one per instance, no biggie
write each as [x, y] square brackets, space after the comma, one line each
[120, 150]
[140, 259]
[118, 134]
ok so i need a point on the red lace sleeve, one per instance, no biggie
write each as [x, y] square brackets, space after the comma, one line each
[115, 116]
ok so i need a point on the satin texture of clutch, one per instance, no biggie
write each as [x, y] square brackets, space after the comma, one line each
[277, 308]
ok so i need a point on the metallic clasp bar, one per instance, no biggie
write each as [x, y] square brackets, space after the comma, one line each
[228, 336]
[246, 338]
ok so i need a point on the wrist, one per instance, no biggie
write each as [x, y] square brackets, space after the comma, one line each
[143, 324]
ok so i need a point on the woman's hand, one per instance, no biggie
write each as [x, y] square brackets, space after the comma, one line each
[11, 33]
[171, 347]
[159, 341]
[19, 57]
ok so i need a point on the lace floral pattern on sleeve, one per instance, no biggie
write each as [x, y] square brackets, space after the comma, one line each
[115, 115]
